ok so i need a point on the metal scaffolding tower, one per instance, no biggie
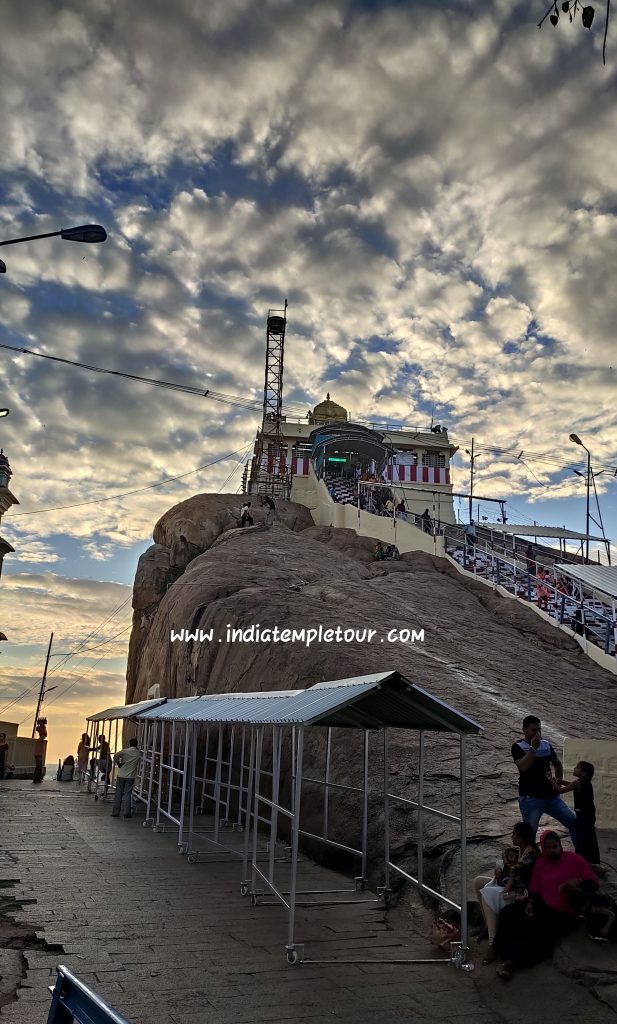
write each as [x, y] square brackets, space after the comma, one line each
[269, 471]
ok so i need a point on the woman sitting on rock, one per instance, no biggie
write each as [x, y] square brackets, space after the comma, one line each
[491, 898]
[527, 931]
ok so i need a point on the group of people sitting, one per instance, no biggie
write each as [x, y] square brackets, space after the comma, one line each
[382, 552]
[536, 894]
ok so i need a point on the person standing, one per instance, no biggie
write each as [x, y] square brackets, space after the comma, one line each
[586, 837]
[470, 535]
[535, 757]
[83, 751]
[270, 509]
[128, 761]
[246, 518]
[4, 751]
[104, 765]
[39, 750]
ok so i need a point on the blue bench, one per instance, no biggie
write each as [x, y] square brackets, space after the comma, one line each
[72, 1001]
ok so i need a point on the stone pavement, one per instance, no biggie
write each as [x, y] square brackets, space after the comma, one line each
[168, 942]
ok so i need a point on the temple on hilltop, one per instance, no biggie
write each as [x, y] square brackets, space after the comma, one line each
[326, 445]
[325, 458]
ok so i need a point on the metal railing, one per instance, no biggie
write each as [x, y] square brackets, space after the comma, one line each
[586, 615]
[71, 1001]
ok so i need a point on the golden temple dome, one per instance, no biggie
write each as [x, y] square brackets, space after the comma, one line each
[327, 412]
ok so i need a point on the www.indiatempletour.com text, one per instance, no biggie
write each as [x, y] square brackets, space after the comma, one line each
[309, 635]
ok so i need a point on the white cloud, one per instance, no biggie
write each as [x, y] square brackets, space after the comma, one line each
[440, 177]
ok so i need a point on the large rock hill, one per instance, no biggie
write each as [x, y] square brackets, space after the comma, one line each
[491, 658]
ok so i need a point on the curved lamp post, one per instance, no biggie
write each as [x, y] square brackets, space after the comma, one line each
[82, 233]
[576, 440]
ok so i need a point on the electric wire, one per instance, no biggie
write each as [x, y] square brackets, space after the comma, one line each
[124, 494]
[79, 649]
[73, 682]
[250, 403]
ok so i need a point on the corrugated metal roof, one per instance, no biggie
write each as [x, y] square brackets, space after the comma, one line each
[125, 710]
[598, 577]
[525, 530]
[373, 701]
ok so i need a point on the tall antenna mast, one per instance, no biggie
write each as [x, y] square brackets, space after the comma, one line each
[269, 468]
[42, 689]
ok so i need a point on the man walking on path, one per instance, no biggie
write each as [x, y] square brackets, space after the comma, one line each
[128, 760]
[534, 756]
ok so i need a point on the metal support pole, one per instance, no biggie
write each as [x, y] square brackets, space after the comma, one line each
[276, 777]
[159, 795]
[471, 483]
[386, 814]
[420, 831]
[193, 744]
[326, 798]
[42, 689]
[241, 777]
[295, 833]
[172, 765]
[229, 771]
[257, 782]
[249, 814]
[107, 778]
[183, 792]
[153, 734]
[463, 816]
[217, 785]
[588, 494]
[364, 868]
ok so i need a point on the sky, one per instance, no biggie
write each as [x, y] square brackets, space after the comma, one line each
[430, 185]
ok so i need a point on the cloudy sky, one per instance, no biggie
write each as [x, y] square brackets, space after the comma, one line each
[431, 185]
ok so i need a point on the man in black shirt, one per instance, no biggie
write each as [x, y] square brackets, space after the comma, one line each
[533, 756]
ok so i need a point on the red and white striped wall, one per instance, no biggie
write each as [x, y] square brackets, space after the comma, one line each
[417, 474]
[292, 464]
[299, 466]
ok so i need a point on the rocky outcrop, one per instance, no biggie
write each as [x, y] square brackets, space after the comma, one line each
[491, 658]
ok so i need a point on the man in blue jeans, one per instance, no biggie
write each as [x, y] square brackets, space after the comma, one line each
[128, 761]
[534, 756]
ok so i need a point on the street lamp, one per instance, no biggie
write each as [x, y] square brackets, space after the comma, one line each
[473, 462]
[82, 233]
[576, 440]
[4, 412]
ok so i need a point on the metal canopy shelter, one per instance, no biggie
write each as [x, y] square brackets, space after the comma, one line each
[537, 531]
[124, 711]
[371, 703]
[597, 577]
[113, 717]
